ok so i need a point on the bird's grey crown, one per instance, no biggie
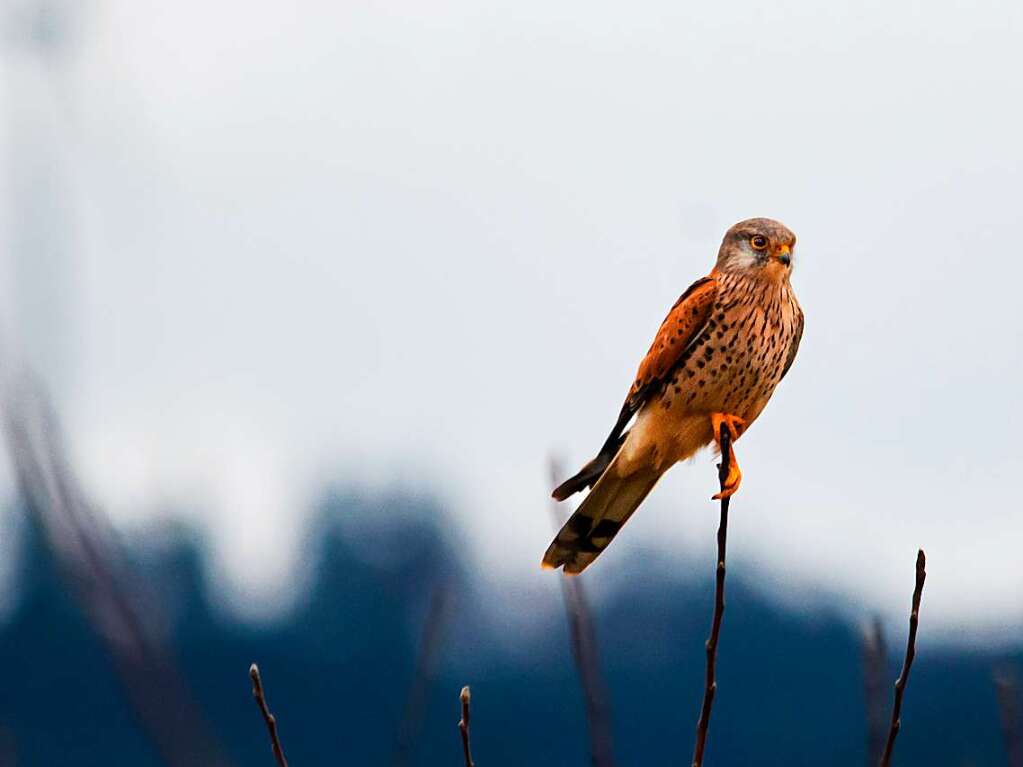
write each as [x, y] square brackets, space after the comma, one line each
[736, 253]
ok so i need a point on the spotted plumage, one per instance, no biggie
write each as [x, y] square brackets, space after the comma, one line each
[714, 363]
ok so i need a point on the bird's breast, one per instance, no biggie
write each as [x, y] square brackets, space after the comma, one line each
[734, 365]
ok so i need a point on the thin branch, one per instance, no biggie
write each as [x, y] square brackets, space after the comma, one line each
[92, 563]
[271, 722]
[875, 657]
[463, 727]
[900, 683]
[1007, 688]
[719, 610]
[583, 639]
[430, 645]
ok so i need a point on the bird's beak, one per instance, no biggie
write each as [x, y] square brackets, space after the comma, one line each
[783, 255]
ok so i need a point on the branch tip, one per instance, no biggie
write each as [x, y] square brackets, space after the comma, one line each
[268, 719]
[463, 726]
[907, 664]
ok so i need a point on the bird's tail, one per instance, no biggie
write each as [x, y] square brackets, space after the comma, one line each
[599, 518]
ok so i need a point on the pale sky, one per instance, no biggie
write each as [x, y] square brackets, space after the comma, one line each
[428, 243]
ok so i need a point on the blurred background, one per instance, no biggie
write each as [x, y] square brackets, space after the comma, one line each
[298, 300]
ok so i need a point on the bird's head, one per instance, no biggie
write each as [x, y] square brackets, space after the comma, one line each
[759, 247]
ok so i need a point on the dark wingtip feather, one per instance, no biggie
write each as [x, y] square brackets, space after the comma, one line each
[586, 477]
[566, 489]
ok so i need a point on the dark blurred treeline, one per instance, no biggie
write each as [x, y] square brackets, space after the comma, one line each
[354, 681]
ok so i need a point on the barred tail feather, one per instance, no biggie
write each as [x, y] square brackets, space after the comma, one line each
[598, 519]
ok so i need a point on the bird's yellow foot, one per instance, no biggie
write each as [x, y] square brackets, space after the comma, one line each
[735, 427]
[733, 479]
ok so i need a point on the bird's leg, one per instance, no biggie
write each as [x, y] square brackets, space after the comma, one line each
[735, 427]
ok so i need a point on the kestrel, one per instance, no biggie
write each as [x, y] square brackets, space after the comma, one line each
[716, 360]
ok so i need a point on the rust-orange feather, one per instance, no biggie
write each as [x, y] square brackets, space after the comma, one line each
[680, 328]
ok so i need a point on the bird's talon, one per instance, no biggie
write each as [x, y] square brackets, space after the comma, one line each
[732, 481]
[735, 427]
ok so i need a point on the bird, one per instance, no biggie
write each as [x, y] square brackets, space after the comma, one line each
[724, 346]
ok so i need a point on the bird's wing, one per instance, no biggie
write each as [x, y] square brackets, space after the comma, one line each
[680, 328]
[683, 325]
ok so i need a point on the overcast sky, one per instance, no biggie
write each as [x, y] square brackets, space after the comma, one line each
[428, 243]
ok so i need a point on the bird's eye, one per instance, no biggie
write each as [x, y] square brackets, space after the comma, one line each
[758, 241]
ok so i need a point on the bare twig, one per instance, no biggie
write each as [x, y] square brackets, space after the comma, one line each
[1007, 687]
[268, 718]
[719, 610]
[463, 727]
[426, 662]
[875, 657]
[900, 683]
[583, 637]
[93, 565]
